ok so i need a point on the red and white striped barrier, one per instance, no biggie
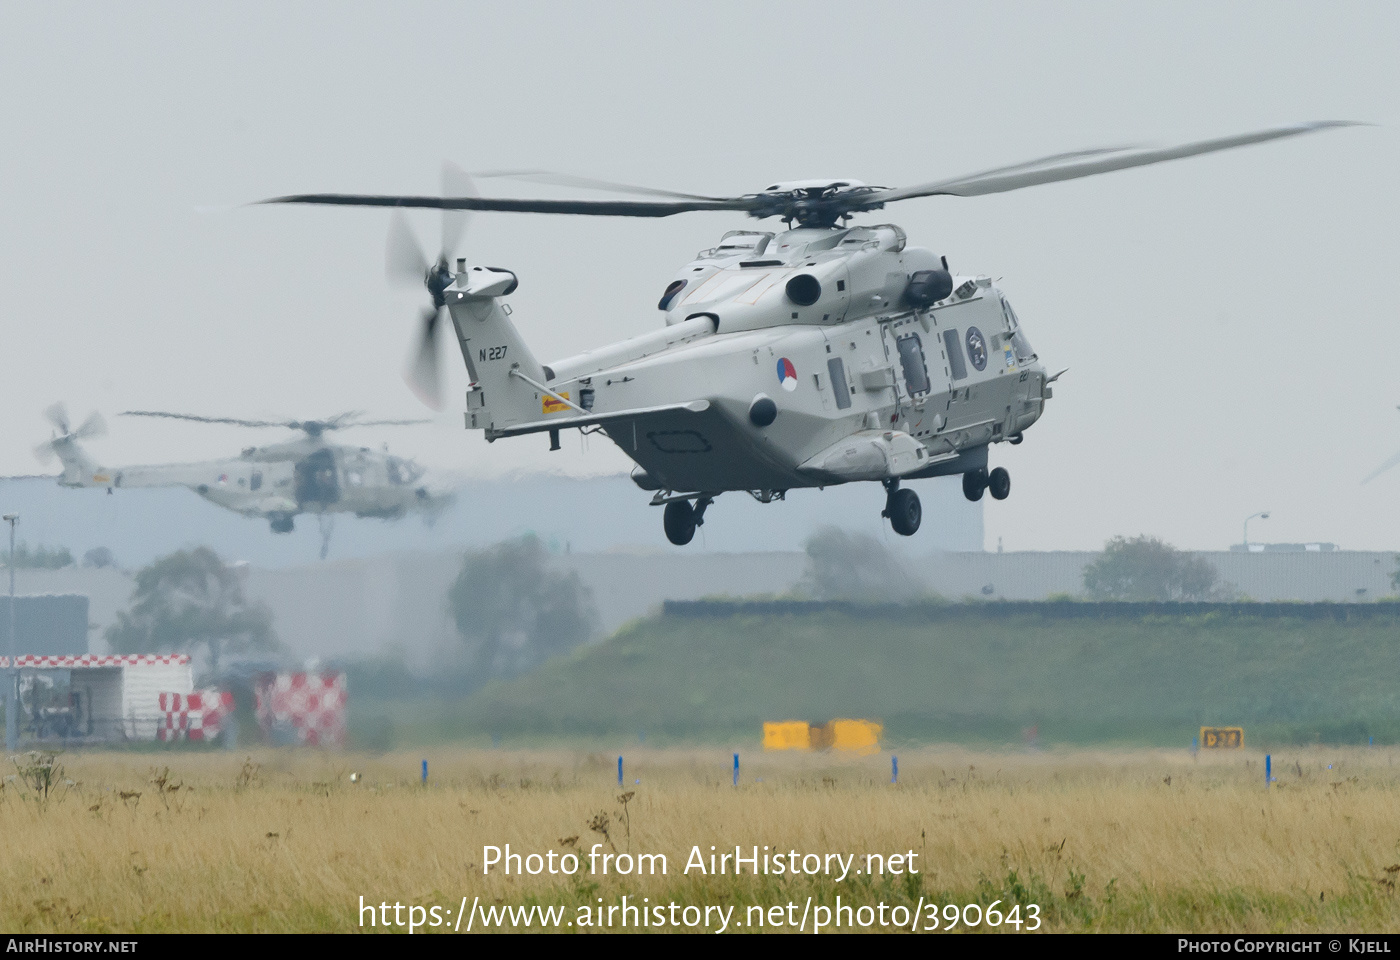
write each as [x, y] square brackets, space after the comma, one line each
[194, 716]
[308, 708]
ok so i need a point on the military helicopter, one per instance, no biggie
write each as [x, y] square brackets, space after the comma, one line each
[276, 482]
[825, 354]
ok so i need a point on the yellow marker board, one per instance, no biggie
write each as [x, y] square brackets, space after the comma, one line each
[853, 736]
[787, 735]
[1222, 738]
[550, 404]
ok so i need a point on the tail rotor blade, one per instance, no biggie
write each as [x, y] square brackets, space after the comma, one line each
[57, 414]
[404, 260]
[93, 426]
[424, 376]
[456, 182]
[44, 452]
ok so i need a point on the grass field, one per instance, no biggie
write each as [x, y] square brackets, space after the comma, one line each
[1098, 841]
[941, 674]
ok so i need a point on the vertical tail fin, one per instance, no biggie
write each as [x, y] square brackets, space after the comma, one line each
[504, 372]
[79, 470]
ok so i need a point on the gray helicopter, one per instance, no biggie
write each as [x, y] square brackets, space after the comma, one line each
[275, 482]
[825, 354]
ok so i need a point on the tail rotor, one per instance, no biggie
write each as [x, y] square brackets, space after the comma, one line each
[57, 415]
[406, 263]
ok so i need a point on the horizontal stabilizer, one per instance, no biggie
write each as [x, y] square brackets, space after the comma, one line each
[564, 423]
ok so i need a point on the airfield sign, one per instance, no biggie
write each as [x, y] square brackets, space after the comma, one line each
[1222, 738]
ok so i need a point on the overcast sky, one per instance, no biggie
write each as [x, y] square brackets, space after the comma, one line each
[1229, 321]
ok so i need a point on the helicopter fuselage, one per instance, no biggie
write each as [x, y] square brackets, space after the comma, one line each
[800, 360]
[275, 482]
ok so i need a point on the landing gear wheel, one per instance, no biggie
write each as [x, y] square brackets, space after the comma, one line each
[679, 521]
[999, 483]
[974, 482]
[905, 512]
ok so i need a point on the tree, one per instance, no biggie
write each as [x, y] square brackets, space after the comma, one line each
[40, 558]
[1145, 568]
[99, 557]
[191, 602]
[855, 566]
[516, 611]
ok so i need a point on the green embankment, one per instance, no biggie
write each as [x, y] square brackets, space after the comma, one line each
[949, 675]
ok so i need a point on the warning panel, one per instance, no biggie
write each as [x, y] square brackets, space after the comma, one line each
[1222, 738]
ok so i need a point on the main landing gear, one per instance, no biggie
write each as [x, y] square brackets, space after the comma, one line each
[903, 509]
[680, 519]
[997, 482]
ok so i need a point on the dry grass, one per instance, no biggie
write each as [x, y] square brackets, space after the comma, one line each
[1102, 841]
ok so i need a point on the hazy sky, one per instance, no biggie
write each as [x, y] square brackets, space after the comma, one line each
[1228, 321]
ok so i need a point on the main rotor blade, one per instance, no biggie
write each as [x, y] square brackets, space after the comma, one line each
[587, 208]
[93, 426]
[1054, 169]
[385, 423]
[456, 182]
[1382, 468]
[589, 183]
[404, 260]
[199, 419]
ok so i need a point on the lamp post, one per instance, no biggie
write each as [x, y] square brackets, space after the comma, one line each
[1264, 515]
[12, 696]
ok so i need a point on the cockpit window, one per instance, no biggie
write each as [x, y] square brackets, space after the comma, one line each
[402, 471]
[1019, 343]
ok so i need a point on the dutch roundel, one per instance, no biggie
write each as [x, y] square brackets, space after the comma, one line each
[787, 374]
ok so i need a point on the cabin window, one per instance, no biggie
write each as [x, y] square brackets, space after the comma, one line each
[837, 371]
[911, 358]
[255, 481]
[955, 354]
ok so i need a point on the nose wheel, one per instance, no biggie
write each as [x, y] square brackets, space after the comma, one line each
[903, 509]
